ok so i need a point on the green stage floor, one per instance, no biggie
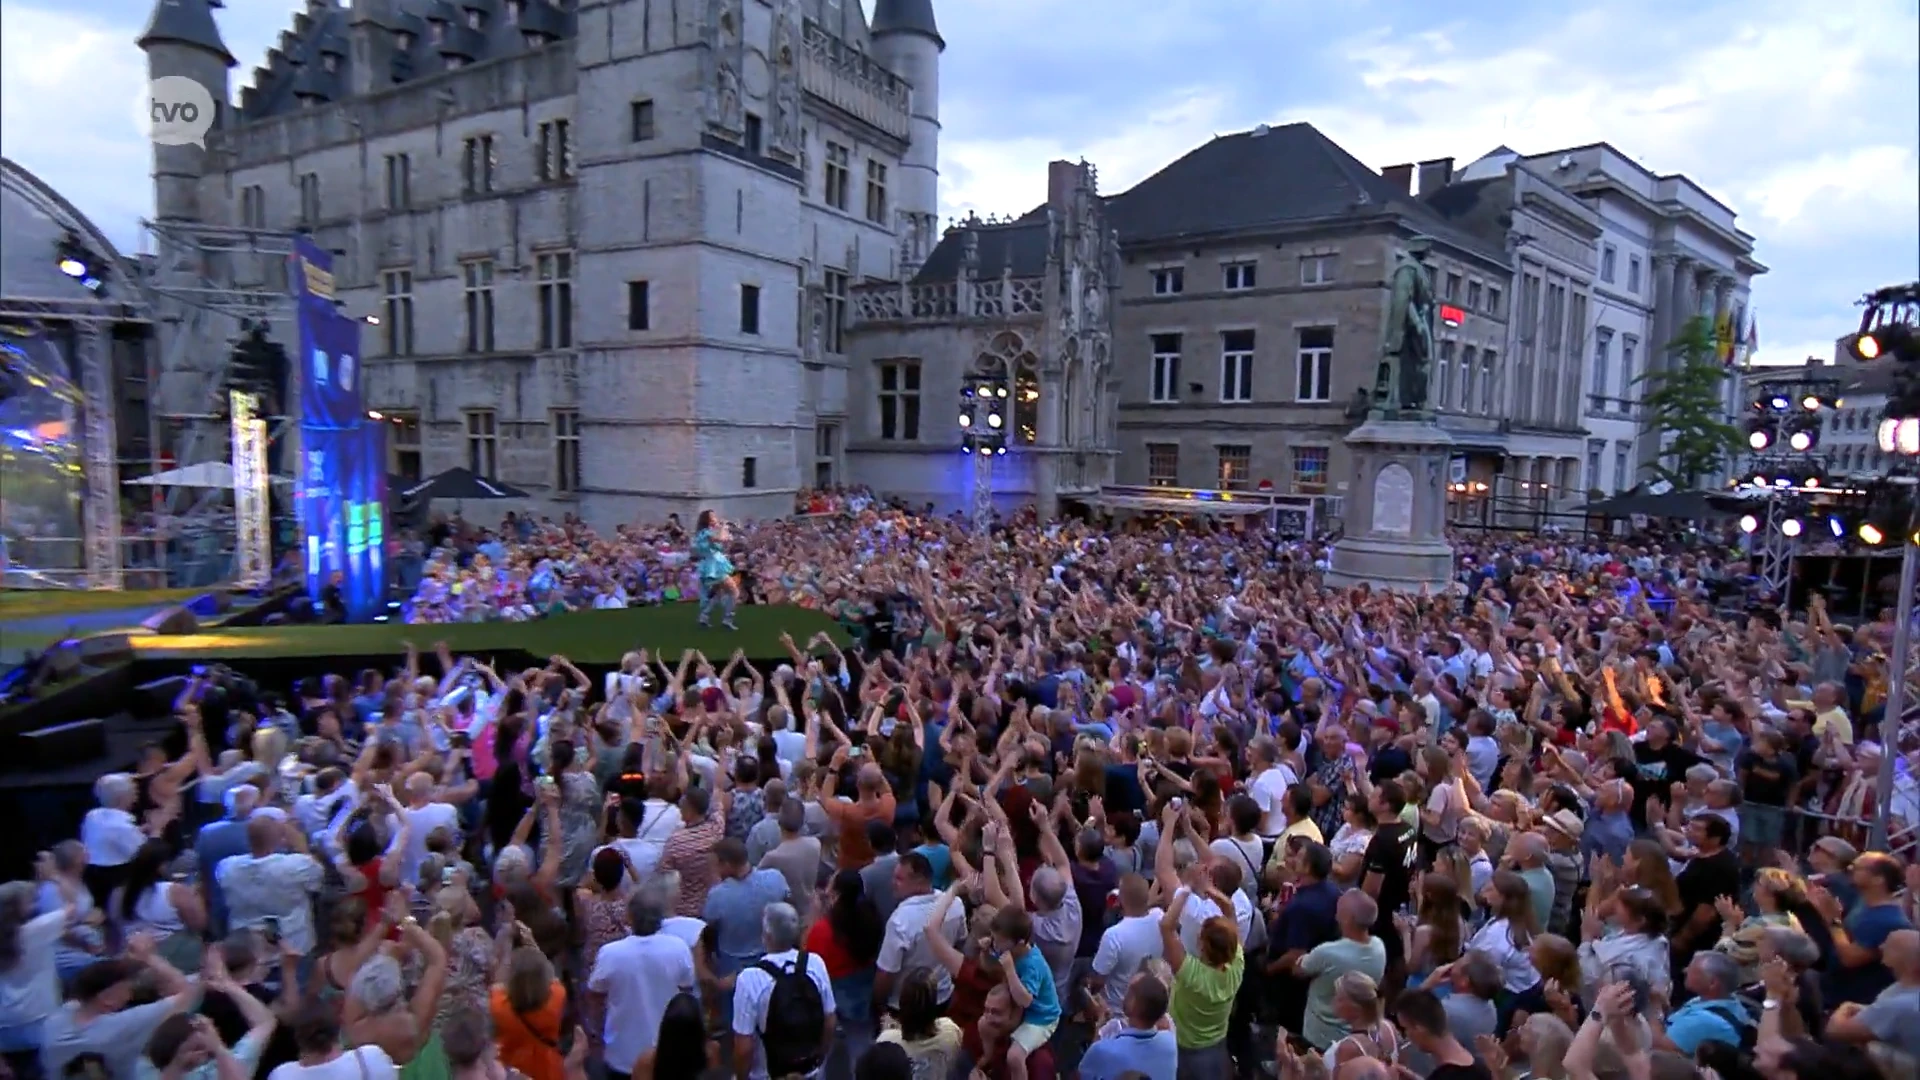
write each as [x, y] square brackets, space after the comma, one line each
[585, 637]
[33, 603]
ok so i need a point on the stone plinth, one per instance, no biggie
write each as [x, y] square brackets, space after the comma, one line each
[1396, 507]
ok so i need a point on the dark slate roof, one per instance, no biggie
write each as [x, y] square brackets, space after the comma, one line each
[299, 66]
[1267, 177]
[1481, 208]
[186, 22]
[904, 17]
[1021, 245]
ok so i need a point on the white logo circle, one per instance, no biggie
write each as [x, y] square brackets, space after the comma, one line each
[177, 111]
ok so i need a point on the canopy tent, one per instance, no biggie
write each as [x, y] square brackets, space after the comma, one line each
[210, 475]
[460, 483]
[1684, 505]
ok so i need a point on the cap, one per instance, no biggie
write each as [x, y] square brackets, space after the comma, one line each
[1566, 823]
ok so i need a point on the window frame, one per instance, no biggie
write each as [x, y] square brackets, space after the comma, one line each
[1313, 364]
[1167, 478]
[1164, 372]
[899, 382]
[478, 305]
[482, 442]
[1236, 366]
[553, 272]
[566, 451]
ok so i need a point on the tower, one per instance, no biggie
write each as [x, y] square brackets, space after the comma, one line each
[182, 39]
[907, 41]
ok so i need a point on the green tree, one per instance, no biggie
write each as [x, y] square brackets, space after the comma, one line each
[1687, 404]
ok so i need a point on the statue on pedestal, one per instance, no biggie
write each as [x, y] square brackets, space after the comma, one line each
[1407, 339]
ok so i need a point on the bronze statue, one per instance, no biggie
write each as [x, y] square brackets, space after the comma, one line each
[1407, 344]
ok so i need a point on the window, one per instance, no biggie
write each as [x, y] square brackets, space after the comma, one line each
[749, 472]
[253, 207]
[1238, 275]
[1318, 269]
[639, 306]
[512, 14]
[640, 119]
[876, 192]
[826, 454]
[1453, 288]
[900, 401]
[834, 294]
[1236, 366]
[1493, 300]
[1169, 280]
[1442, 375]
[483, 442]
[1488, 359]
[1593, 466]
[309, 199]
[398, 318]
[1313, 365]
[1607, 256]
[1310, 469]
[1166, 369]
[555, 272]
[839, 174]
[566, 450]
[1465, 400]
[477, 165]
[1622, 475]
[399, 181]
[1163, 464]
[479, 296]
[556, 151]
[749, 309]
[403, 445]
[1628, 346]
[753, 137]
[1236, 468]
[1633, 273]
[1473, 296]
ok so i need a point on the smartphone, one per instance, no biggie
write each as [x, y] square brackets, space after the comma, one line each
[271, 931]
[447, 875]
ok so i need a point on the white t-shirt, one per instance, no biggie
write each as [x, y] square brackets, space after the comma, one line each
[639, 976]
[1123, 948]
[421, 823]
[1516, 967]
[753, 992]
[904, 947]
[1199, 909]
[1269, 793]
[110, 836]
[360, 1063]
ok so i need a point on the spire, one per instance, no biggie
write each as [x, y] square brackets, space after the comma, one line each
[186, 22]
[905, 17]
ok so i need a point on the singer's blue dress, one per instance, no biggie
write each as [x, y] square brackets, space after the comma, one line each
[710, 558]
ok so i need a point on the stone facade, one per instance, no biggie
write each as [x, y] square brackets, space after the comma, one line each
[606, 249]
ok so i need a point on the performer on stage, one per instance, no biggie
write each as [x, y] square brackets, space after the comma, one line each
[717, 584]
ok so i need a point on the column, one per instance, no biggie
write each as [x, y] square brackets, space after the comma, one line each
[1664, 266]
[1686, 304]
[101, 510]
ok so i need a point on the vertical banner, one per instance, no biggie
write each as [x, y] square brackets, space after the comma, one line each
[335, 433]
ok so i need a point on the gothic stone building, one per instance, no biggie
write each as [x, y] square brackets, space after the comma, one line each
[612, 245]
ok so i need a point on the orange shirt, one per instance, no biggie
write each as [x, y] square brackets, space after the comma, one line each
[530, 1042]
[852, 817]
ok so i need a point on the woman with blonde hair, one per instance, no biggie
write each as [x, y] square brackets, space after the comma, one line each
[379, 1011]
[1558, 963]
[1356, 1001]
[1645, 865]
[1508, 938]
[528, 1005]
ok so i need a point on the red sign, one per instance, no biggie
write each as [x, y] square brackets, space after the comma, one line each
[1451, 315]
[1266, 485]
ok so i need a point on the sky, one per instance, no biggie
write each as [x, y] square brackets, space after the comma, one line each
[1802, 116]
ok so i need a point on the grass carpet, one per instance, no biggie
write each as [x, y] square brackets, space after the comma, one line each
[29, 603]
[586, 637]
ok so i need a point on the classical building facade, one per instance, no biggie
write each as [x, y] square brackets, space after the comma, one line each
[609, 247]
[1252, 290]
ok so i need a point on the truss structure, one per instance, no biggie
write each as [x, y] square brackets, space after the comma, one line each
[982, 502]
[252, 553]
[1773, 550]
[205, 281]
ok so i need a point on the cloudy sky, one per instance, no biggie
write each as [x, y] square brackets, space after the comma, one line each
[1803, 115]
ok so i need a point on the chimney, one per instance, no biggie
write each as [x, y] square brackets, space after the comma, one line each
[1062, 178]
[1435, 174]
[1399, 178]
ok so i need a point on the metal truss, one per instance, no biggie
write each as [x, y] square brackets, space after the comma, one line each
[204, 281]
[252, 551]
[1773, 550]
[982, 502]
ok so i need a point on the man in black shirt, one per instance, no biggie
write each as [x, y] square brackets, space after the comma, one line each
[1713, 872]
[1768, 775]
[1387, 868]
[1661, 761]
[1424, 1022]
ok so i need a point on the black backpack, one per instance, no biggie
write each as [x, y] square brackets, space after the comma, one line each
[796, 1019]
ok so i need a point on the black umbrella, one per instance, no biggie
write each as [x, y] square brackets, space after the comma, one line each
[462, 484]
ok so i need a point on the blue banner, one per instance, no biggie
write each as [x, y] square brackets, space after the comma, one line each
[329, 345]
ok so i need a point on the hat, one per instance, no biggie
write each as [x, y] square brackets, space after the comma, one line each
[1566, 823]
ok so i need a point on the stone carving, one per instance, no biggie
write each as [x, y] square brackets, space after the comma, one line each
[726, 107]
[1393, 500]
[1407, 343]
[786, 79]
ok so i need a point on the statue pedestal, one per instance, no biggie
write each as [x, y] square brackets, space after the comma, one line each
[1396, 507]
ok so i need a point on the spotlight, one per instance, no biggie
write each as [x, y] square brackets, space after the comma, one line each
[965, 449]
[1759, 433]
[1000, 450]
[1791, 528]
[1802, 440]
[1836, 525]
[994, 421]
[73, 268]
[1900, 435]
[966, 419]
[1811, 403]
[1866, 347]
[1779, 403]
[1749, 523]
[1000, 391]
[1871, 535]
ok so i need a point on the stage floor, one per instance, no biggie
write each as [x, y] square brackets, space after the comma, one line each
[32, 619]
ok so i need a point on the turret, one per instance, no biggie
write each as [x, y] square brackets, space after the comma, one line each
[907, 42]
[182, 39]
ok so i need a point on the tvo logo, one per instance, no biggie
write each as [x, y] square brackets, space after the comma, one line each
[177, 111]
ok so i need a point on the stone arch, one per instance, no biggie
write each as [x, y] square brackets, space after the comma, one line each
[1007, 355]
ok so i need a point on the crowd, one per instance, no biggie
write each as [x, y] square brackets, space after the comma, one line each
[1136, 803]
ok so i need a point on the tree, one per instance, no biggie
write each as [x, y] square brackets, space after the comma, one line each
[1687, 403]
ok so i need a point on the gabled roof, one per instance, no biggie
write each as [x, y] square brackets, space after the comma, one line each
[1268, 177]
[1020, 246]
[186, 22]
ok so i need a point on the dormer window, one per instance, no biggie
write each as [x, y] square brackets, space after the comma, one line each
[403, 41]
[535, 39]
[436, 31]
[513, 13]
[456, 62]
[329, 62]
[476, 20]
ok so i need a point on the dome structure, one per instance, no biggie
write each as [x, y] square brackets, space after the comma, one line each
[37, 220]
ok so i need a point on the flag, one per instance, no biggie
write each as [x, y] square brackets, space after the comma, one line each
[1753, 336]
[1735, 334]
[1722, 335]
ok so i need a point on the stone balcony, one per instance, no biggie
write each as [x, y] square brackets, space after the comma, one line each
[949, 301]
[853, 82]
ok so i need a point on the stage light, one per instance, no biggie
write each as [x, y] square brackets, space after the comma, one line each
[966, 419]
[1779, 403]
[1802, 440]
[1000, 450]
[1871, 535]
[1836, 525]
[373, 320]
[994, 421]
[1866, 347]
[1900, 435]
[375, 414]
[73, 268]
[1759, 433]
[1001, 391]
[1749, 523]
[1811, 403]
[1791, 528]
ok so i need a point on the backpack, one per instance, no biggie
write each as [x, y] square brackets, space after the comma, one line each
[796, 1016]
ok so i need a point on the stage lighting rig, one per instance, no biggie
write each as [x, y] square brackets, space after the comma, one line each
[75, 261]
[1890, 325]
